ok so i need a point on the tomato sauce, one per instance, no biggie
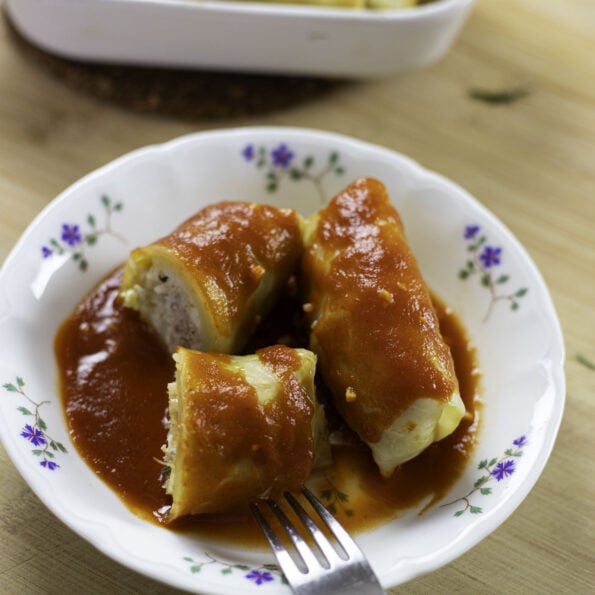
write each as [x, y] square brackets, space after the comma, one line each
[113, 375]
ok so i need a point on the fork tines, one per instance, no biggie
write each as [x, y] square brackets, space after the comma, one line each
[339, 568]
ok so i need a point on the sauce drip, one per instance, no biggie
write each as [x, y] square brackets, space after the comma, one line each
[113, 375]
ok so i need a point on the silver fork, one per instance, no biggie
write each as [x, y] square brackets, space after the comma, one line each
[343, 570]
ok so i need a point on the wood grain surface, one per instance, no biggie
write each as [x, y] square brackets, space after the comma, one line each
[531, 161]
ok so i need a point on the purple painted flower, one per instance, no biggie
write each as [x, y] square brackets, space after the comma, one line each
[471, 231]
[34, 435]
[520, 441]
[259, 577]
[71, 234]
[282, 156]
[490, 256]
[248, 152]
[46, 252]
[503, 469]
[49, 465]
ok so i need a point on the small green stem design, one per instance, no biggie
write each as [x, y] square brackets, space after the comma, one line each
[76, 243]
[227, 568]
[496, 468]
[276, 173]
[36, 432]
[334, 498]
[474, 266]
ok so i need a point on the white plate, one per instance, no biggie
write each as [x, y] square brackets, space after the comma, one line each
[243, 36]
[520, 347]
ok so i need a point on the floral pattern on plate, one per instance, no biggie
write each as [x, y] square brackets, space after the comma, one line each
[496, 468]
[36, 432]
[483, 262]
[74, 241]
[263, 574]
[280, 162]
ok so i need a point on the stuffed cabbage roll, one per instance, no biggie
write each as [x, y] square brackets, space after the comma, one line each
[206, 285]
[241, 427]
[374, 328]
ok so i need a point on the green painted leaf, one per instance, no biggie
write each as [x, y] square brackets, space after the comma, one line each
[11, 388]
[486, 491]
[343, 496]
[333, 157]
[118, 206]
[83, 265]
[91, 240]
[295, 174]
[226, 570]
[483, 464]
[42, 425]
[105, 201]
[49, 455]
[37, 452]
[308, 162]
[480, 482]
[492, 462]
[463, 274]
[91, 220]
[485, 280]
[514, 306]
[459, 512]
[20, 382]
[188, 559]
[339, 170]
[508, 451]
[475, 510]
[195, 568]
[326, 494]
[521, 292]
[502, 278]
[242, 566]
[271, 187]
[24, 410]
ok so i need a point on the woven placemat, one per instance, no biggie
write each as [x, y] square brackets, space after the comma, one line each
[183, 93]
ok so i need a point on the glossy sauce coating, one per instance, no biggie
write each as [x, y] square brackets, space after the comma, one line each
[113, 374]
[231, 245]
[373, 324]
[231, 447]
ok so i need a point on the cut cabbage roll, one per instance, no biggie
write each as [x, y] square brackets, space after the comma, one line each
[206, 285]
[374, 328]
[241, 427]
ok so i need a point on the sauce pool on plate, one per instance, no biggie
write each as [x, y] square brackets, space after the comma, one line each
[114, 373]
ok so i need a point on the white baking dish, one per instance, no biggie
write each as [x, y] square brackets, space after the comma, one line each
[242, 36]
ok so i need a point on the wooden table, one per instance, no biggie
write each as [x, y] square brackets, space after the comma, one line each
[530, 161]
